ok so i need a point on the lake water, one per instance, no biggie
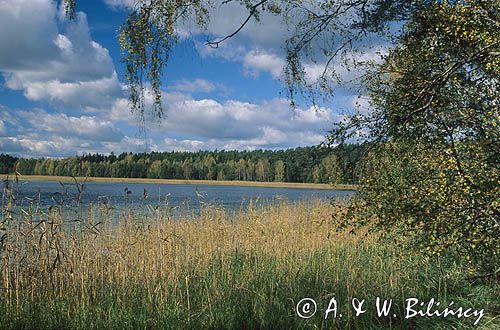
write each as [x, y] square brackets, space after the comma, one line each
[148, 196]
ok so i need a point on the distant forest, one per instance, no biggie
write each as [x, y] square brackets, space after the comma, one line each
[307, 164]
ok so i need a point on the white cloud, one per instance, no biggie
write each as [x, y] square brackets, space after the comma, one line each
[40, 133]
[130, 144]
[257, 60]
[76, 94]
[84, 127]
[234, 119]
[190, 124]
[3, 129]
[263, 123]
[10, 145]
[25, 37]
[194, 86]
[56, 146]
[233, 124]
[172, 144]
[269, 138]
[208, 124]
[120, 3]
[50, 58]
[268, 33]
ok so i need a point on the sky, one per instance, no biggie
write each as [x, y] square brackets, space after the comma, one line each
[63, 92]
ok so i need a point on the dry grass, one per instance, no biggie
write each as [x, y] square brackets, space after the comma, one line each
[192, 182]
[211, 271]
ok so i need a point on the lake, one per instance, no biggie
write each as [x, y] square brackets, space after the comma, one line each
[147, 196]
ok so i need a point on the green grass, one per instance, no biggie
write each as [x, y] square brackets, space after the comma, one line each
[245, 271]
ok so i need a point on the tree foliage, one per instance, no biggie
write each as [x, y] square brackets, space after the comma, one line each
[7, 163]
[434, 170]
[147, 37]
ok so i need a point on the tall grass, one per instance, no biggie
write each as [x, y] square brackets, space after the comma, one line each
[214, 270]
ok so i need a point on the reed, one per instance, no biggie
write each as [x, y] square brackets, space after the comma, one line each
[213, 270]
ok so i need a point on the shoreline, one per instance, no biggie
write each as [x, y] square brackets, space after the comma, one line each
[295, 185]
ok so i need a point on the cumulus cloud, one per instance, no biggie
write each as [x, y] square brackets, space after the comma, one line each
[39, 133]
[131, 144]
[83, 127]
[269, 138]
[191, 124]
[116, 4]
[344, 69]
[56, 146]
[208, 123]
[10, 145]
[234, 119]
[173, 144]
[258, 60]
[75, 95]
[50, 58]
[194, 86]
[25, 38]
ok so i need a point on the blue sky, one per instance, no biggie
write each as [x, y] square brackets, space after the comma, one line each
[62, 90]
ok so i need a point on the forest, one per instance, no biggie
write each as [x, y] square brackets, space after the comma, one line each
[315, 164]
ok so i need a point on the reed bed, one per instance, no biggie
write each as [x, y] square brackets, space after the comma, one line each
[214, 270]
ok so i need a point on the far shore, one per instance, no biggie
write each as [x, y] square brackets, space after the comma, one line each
[191, 182]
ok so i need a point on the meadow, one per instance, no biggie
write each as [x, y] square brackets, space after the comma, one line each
[218, 271]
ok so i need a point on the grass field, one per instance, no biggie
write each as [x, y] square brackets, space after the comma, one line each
[193, 182]
[215, 271]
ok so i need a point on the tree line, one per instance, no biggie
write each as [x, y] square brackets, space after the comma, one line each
[313, 164]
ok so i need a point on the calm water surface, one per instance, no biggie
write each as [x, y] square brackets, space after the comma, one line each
[148, 196]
